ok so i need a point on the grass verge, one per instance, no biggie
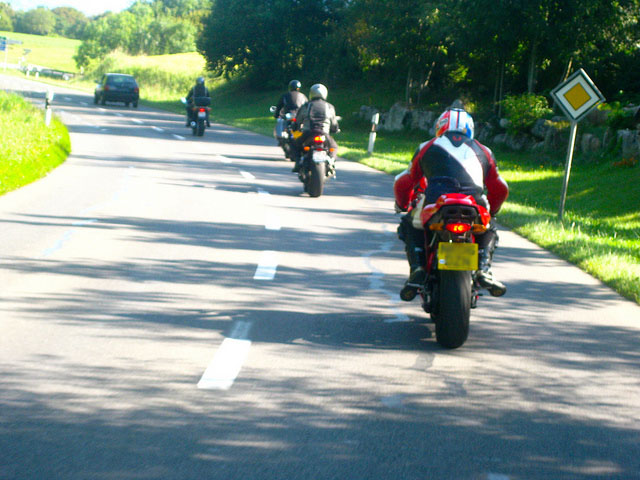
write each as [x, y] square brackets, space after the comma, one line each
[28, 149]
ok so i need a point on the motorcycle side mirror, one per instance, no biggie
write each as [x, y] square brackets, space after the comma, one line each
[289, 116]
[339, 118]
[272, 109]
[183, 100]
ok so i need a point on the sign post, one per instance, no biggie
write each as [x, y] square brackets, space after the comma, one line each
[372, 136]
[3, 47]
[577, 96]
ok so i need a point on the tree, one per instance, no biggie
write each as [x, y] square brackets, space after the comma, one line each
[145, 28]
[39, 21]
[271, 40]
[6, 17]
[70, 22]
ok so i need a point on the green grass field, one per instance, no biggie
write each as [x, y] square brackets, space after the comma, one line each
[28, 149]
[52, 52]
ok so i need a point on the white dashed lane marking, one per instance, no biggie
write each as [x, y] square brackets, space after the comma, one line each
[267, 267]
[227, 363]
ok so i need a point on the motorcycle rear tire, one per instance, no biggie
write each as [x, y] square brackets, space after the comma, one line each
[315, 179]
[454, 308]
[200, 128]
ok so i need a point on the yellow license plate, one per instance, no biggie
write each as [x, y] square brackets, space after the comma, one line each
[297, 134]
[458, 256]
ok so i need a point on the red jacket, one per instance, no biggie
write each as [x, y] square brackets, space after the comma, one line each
[452, 155]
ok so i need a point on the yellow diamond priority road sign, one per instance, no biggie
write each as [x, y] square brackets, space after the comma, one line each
[577, 96]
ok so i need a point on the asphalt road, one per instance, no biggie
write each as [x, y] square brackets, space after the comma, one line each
[174, 307]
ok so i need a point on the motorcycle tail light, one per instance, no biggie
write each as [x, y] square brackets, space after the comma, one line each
[318, 139]
[202, 110]
[458, 227]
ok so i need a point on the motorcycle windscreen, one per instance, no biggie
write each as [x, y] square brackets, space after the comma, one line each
[457, 256]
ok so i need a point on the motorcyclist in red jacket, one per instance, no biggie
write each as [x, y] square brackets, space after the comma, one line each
[453, 161]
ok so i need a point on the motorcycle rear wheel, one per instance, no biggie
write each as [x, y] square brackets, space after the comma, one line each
[315, 179]
[200, 127]
[454, 308]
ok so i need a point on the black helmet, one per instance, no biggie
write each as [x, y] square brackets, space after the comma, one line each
[294, 85]
[200, 80]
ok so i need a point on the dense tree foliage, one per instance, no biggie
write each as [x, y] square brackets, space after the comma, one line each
[39, 21]
[61, 21]
[70, 22]
[147, 27]
[484, 48]
[6, 17]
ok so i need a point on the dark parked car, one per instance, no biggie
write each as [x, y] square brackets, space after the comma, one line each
[117, 87]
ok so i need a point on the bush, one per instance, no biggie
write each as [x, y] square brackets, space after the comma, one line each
[620, 119]
[524, 110]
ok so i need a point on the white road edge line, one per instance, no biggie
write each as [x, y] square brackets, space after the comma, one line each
[267, 267]
[228, 360]
[158, 129]
[247, 175]
[179, 137]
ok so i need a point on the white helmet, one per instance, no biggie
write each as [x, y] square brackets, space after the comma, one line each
[455, 120]
[318, 91]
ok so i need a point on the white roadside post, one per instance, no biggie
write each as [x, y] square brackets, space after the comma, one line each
[47, 107]
[372, 136]
[577, 96]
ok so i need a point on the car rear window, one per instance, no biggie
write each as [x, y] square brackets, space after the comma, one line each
[121, 81]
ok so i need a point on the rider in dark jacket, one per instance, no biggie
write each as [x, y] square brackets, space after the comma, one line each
[291, 101]
[316, 116]
[197, 91]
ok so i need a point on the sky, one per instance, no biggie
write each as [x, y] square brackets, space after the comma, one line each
[88, 7]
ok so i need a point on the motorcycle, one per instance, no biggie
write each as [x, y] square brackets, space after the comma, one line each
[316, 164]
[198, 114]
[451, 288]
[283, 133]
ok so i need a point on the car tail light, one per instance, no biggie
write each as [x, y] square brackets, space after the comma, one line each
[106, 88]
[458, 227]
[136, 90]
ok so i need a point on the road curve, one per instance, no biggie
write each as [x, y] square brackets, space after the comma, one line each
[176, 307]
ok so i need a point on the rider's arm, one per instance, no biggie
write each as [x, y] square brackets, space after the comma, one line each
[497, 187]
[405, 182]
[279, 107]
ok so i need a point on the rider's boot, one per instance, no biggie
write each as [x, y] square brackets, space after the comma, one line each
[414, 248]
[485, 276]
[297, 164]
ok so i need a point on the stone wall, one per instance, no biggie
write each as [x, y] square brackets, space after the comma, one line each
[545, 136]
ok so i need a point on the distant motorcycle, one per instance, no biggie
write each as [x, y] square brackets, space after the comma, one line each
[451, 290]
[198, 114]
[317, 164]
[282, 131]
